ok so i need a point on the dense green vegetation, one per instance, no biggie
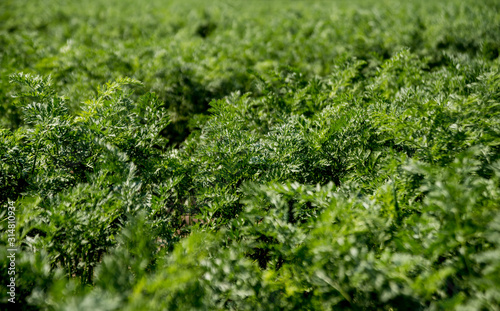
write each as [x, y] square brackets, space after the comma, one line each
[329, 155]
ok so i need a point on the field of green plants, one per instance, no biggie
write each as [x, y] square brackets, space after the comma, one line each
[249, 155]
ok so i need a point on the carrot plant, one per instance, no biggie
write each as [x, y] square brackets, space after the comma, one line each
[327, 156]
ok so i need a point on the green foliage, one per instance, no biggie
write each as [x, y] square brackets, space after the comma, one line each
[289, 156]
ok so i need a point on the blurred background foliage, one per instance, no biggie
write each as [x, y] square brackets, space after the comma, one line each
[190, 53]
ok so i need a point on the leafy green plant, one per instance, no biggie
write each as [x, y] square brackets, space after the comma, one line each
[261, 156]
